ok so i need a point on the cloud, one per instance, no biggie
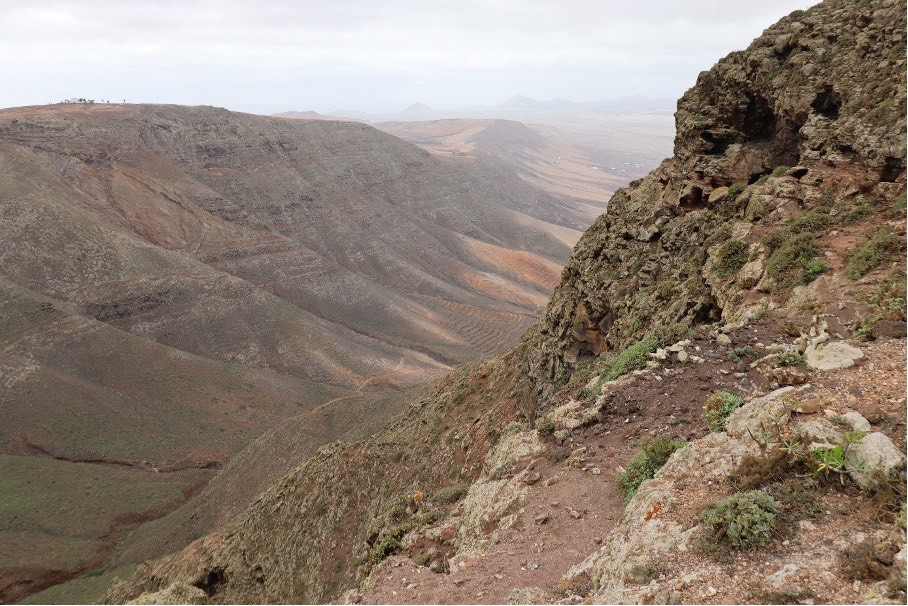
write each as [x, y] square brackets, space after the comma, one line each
[319, 53]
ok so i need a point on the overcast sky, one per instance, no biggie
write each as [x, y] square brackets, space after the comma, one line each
[375, 55]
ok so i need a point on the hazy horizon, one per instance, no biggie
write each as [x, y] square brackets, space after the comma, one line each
[278, 55]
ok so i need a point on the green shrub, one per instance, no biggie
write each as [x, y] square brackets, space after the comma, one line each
[730, 257]
[558, 454]
[745, 519]
[808, 222]
[719, 405]
[645, 464]
[735, 190]
[858, 209]
[450, 494]
[740, 353]
[790, 359]
[390, 539]
[673, 333]
[647, 571]
[793, 262]
[880, 248]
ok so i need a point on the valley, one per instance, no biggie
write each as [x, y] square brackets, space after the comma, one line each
[208, 297]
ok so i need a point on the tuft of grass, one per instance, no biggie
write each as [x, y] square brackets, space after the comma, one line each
[645, 464]
[776, 172]
[719, 405]
[631, 358]
[745, 520]
[880, 248]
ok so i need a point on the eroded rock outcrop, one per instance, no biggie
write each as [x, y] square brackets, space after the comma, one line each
[811, 117]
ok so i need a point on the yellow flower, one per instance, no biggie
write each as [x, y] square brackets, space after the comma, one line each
[417, 496]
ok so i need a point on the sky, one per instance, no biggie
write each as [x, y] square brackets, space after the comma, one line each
[268, 56]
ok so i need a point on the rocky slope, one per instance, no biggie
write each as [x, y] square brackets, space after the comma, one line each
[738, 297]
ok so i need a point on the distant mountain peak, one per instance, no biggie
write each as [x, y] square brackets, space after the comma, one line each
[418, 108]
[519, 101]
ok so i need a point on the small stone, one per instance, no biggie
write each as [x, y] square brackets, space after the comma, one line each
[723, 339]
[808, 406]
[532, 565]
[458, 582]
[857, 421]
[574, 513]
[555, 504]
[533, 478]
[683, 356]
[711, 591]
[597, 540]
[541, 519]
[499, 576]
[596, 471]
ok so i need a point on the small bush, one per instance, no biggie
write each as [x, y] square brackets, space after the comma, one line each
[861, 562]
[674, 333]
[645, 464]
[732, 255]
[646, 572]
[735, 190]
[740, 353]
[718, 407]
[450, 494]
[558, 454]
[746, 520]
[794, 261]
[790, 359]
[880, 248]
[546, 427]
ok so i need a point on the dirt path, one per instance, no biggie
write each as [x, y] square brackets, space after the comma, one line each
[574, 504]
[358, 393]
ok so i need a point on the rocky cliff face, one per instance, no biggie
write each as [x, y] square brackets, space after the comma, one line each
[809, 119]
[780, 219]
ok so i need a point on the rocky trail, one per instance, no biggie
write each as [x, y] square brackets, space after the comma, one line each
[572, 499]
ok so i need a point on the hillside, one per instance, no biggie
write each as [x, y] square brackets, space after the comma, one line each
[744, 302]
[540, 155]
[178, 281]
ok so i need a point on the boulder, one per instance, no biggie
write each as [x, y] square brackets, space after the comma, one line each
[872, 461]
[832, 355]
